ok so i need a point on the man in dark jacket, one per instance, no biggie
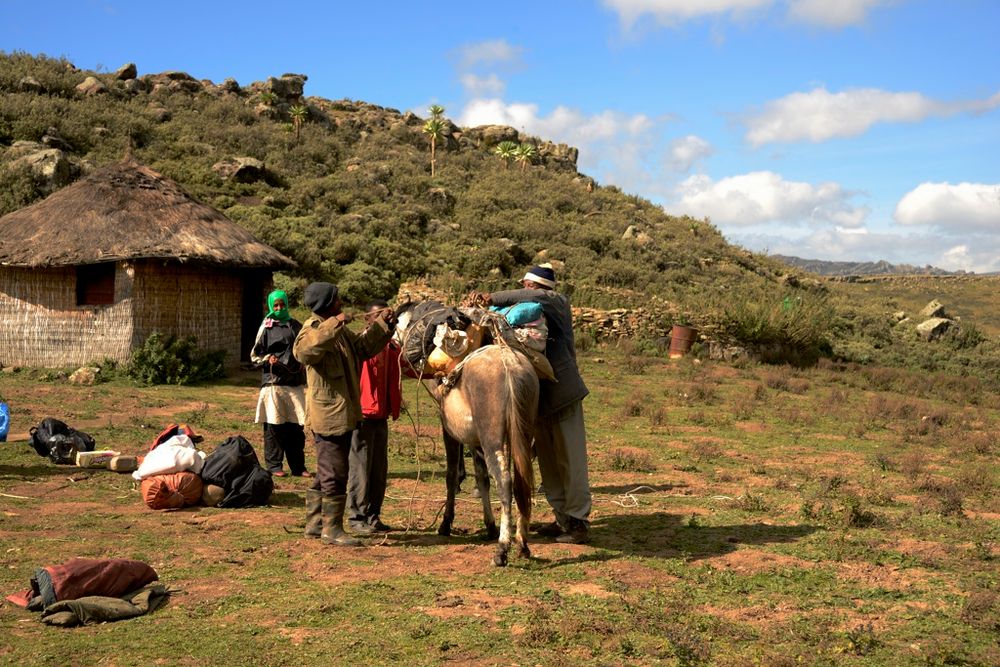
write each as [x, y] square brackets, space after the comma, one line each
[332, 355]
[560, 436]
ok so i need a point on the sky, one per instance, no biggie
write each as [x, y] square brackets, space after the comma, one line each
[851, 130]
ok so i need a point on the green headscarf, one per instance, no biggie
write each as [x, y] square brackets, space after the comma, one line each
[282, 315]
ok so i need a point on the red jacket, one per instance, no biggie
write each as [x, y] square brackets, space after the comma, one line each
[380, 397]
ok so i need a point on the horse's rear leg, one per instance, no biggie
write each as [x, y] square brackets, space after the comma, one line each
[483, 484]
[453, 454]
[499, 468]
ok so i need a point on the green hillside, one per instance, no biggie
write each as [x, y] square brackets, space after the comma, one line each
[345, 188]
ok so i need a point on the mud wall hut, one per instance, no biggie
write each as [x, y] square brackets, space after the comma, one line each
[92, 270]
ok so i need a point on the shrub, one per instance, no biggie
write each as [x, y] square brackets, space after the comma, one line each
[631, 459]
[172, 360]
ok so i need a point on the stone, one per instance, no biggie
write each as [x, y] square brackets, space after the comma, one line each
[91, 86]
[212, 495]
[85, 376]
[240, 169]
[160, 114]
[30, 85]
[50, 165]
[934, 328]
[53, 139]
[126, 72]
[933, 309]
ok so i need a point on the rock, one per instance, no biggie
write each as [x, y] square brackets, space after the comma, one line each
[126, 72]
[441, 200]
[30, 85]
[50, 165]
[212, 495]
[899, 316]
[86, 375]
[230, 86]
[934, 309]
[159, 114]
[91, 86]
[633, 233]
[491, 135]
[53, 139]
[240, 169]
[289, 87]
[133, 86]
[934, 328]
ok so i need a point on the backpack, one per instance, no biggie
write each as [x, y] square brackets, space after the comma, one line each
[53, 438]
[234, 466]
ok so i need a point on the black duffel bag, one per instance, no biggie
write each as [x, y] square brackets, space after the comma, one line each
[58, 441]
[234, 466]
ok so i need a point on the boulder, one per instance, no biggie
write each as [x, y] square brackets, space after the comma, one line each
[491, 135]
[230, 86]
[899, 316]
[934, 328]
[159, 114]
[441, 200]
[91, 86]
[126, 72]
[636, 235]
[50, 165]
[289, 87]
[53, 139]
[30, 85]
[86, 375]
[240, 169]
[933, 309]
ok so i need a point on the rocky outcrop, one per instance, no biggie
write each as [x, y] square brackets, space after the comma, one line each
[240, 169]
[51, 167]
[933, 309]
[30, 85]
[934, 328]
[126, 72]
[91, 86]
[171, 82]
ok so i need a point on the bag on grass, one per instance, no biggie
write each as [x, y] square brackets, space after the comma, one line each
[58, 441]
[234, 466]
[172, 491]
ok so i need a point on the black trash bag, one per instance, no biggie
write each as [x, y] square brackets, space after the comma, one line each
[234, 466]
[58, 441]
[418, 339]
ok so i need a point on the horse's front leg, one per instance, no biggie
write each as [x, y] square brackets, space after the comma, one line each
[453, 454]
[498, 466]
[483, 484]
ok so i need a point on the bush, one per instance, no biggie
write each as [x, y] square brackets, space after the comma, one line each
[172, 360]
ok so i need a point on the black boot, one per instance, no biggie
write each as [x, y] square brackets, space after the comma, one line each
[333, 523]
[314, 513]
[578, 532]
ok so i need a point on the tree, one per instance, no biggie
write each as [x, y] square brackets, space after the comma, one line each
[525, 155]
[436, 111]
[434, 128]
[299, 115]
[506, 151]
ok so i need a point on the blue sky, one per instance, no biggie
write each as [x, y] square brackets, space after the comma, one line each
[832, 129]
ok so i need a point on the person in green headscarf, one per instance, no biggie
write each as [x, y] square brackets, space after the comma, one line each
[281, 404]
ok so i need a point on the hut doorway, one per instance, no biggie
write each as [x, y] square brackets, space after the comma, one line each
[255, 289]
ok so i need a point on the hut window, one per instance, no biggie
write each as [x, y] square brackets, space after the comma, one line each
[95, 284]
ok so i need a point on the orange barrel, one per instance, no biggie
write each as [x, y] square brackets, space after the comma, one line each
[681, 338]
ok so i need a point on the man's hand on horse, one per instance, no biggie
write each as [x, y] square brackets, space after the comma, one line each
[476, 300]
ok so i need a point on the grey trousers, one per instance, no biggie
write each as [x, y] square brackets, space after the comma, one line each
[561, 448]
[369, 469]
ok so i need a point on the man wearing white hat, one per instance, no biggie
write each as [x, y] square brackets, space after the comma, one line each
[560, 436]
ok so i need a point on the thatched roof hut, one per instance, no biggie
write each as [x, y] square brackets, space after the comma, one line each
[93, 269]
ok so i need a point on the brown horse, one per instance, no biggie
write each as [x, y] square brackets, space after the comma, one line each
[489, 403]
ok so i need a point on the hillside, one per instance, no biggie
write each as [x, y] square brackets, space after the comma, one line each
[345, 188]
[827, 268]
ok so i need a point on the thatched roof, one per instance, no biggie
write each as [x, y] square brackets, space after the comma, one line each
[128, 211]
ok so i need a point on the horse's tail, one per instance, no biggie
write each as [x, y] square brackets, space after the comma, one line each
[521, 406]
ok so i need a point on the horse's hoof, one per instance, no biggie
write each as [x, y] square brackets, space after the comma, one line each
[500, 560]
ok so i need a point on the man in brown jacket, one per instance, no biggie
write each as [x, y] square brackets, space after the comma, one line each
[332, 355]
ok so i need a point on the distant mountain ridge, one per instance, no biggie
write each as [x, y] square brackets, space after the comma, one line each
[879, 268]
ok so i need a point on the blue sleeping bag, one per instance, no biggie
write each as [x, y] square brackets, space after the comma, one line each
[520, 313]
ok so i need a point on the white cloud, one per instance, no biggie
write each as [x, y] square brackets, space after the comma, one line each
[489, 53]
[669, 12]
[480, 86]
[684, 152]
[765, 197]
[823, 13]
[820, 115]
[832, 13]
[952, 208]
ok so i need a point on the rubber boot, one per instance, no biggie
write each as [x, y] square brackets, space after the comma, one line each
[314, 513]
[333, 523]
